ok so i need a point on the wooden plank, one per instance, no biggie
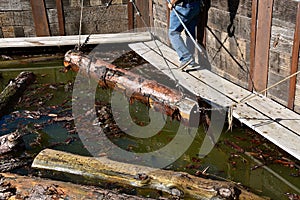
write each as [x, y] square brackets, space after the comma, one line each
[263, 35]
[130, 12]
[151, 17]
[40, 17]
[268, 128]
[268, 118]
[60, 16]
[190, 83]
[143, 20]
[73, 40]
[273, 110]
[295, 61]
[252, 43]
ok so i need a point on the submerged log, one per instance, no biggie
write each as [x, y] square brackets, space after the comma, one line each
[13, 91]
[102, 169]
[14, 186]
[150, 92]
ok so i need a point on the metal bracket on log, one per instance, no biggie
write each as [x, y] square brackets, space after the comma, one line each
[150, 92]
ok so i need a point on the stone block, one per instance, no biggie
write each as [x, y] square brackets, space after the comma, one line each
[19, 31]
[6, 18]
[29, 31]
[8, 31]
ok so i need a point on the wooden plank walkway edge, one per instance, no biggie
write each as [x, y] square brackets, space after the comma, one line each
[73, 40]
[273, 121]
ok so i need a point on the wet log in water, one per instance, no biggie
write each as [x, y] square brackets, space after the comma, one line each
[157, 96]
[10, 141]
[105, 170]
[13, 91]
[14, 186]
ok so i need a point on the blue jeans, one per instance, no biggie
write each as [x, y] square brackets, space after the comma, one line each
[189, 14]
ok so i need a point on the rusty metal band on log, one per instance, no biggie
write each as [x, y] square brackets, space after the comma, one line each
[150, 92]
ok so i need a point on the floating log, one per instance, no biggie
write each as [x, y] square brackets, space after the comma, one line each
[102, 169]
[150, 92]
[13, 91]
[14, 186]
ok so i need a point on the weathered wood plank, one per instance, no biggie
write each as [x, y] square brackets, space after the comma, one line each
[60, 16]
[40, 17]
[270, 119]
[190, 83]
[73, 40]
[295, 61]
[273, 110]
[263, 34]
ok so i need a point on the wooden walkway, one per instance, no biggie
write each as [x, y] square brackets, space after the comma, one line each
[273, 121]
[73, 40]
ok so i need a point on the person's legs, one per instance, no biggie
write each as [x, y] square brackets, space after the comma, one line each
[188, 14]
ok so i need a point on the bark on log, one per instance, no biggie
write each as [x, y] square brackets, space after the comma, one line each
[102, 169]
[10, 141]
[13, 91]
[157, 96]
[14, 186]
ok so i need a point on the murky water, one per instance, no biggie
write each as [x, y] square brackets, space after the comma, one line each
[240, 155]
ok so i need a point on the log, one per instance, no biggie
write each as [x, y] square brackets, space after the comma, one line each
[102, 169]
[11, 141]
[13, 186]
[13, 91]
[150, 92]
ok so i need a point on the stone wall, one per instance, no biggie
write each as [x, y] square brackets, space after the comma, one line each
[16, 17]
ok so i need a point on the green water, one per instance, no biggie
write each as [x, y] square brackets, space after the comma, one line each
[224, 162]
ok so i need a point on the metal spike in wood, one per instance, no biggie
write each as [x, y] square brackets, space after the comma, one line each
[157, 96]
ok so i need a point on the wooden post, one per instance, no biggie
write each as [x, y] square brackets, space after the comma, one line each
[253, 42]
[295, 61]
[262, 44]
[151, 20]
[130, 15]
[60, 16]
[40, 17]
[143, 19]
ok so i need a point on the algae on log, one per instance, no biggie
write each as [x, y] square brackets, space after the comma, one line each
[13, 91]
[14, 186]
[102, 169]
[150, 92]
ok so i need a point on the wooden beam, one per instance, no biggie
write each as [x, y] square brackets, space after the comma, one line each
[262, 44]
[40, 17]
[73, 40]
[151, 18]
[130, 12]
[295, 61]
[60, 16]
[253, 42]
[142, 20]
